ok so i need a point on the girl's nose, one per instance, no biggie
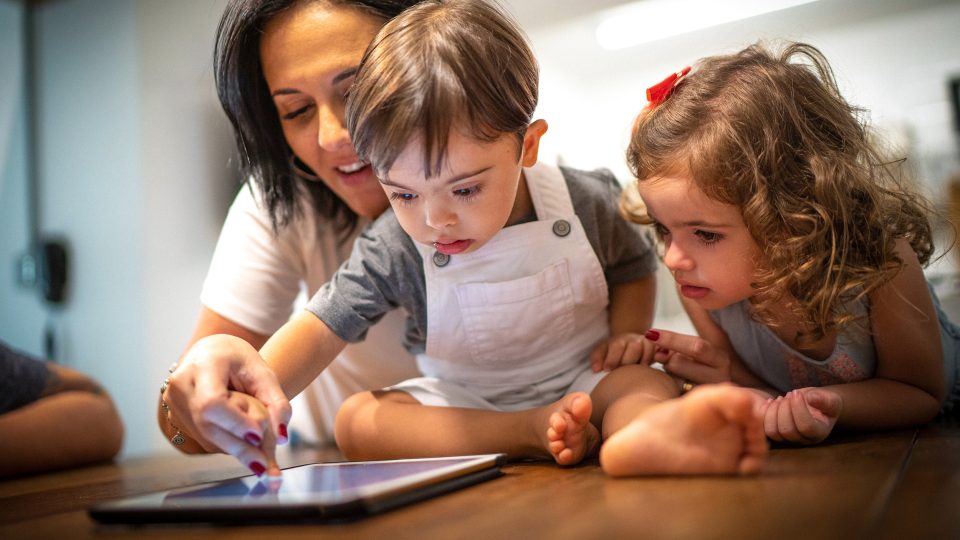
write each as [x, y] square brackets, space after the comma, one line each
[675, 258]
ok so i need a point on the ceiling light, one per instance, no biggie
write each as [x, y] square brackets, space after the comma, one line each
[650, 20]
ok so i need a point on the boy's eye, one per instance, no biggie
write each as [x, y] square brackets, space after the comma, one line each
[402, 197]
[468, 191]
[709, 237]
[660, 230]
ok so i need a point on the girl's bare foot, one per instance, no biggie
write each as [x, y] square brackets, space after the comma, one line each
[570, 436]
[714, 429]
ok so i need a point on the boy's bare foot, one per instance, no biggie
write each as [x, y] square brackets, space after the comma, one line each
[570, 436]
[714, 429]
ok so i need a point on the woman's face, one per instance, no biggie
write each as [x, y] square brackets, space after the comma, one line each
[310, 54]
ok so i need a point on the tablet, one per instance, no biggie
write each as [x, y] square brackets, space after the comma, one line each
[319, 492]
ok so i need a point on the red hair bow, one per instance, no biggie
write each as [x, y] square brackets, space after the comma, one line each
[660, 91]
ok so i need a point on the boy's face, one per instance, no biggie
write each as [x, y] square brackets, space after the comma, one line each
[707, 246]
[473, 197]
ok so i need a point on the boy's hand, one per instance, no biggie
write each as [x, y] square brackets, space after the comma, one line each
[805, 416]
[690, 357]
[622, 349]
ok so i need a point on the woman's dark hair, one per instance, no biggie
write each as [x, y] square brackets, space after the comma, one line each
[265, 156]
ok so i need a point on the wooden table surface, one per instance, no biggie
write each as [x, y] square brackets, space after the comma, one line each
[903, 484]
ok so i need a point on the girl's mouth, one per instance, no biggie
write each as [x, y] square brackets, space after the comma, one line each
[693, 292]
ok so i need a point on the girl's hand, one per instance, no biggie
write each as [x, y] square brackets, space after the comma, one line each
[226, 398]
[622, 349]
[690, 357]
[805, 416]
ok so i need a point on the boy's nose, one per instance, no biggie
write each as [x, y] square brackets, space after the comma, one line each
[438, 216]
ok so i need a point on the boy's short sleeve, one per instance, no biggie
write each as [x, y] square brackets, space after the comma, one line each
[22, 379]
[384, 272]
[626, 250]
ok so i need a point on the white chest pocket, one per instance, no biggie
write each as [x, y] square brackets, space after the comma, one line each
[515, 321]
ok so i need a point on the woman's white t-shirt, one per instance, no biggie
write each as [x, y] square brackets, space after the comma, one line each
[255, 279]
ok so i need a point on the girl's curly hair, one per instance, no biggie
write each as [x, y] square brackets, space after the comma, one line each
[771, 134]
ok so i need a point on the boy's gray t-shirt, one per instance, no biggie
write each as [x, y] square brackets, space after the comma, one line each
[385, 270]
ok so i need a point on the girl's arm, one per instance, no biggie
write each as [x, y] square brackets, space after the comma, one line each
[908, 387]
[692, 354]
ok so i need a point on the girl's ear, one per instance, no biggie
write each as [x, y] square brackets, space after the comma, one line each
[531, 142]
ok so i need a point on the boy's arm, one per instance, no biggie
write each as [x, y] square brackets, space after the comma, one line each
[630, 315]
[632, 305]
[300, 350]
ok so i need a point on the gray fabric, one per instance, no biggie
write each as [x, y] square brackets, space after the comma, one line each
[785, 369]
[385, 270]
[22, 378]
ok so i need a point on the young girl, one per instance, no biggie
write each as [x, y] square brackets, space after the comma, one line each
[796, 249]
[513, 274]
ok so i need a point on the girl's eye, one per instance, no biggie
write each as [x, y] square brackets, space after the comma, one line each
[404, 198]
[708, 237]
[467, 192]
[660, 230]
[293, 114]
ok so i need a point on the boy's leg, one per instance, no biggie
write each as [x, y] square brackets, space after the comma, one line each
[626, 392]
[714, 429]
[393, 424]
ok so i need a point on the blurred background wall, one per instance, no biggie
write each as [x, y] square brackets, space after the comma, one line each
[135, 169]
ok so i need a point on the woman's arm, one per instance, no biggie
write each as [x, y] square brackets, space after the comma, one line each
[227, 396]
[208, 324]
[74, 422]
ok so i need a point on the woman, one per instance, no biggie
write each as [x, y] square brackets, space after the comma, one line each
[282, 69]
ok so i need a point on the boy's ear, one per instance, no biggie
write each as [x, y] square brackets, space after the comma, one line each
[531, 142]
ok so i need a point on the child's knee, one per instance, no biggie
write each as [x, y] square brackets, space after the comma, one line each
[349, 422]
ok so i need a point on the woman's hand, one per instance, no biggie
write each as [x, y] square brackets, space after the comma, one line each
[690, 357]
[622, 349]
[226, 398]
[804, 416]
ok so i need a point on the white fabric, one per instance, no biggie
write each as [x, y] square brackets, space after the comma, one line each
[521, 313]
[254, 280]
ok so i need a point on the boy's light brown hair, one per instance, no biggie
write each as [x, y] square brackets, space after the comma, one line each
[438, 66]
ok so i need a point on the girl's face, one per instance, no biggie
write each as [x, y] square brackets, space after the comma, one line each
[310, 54]
[708, 248]
[474, 196]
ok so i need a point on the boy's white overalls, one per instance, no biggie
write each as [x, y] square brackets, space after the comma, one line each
[512, 325]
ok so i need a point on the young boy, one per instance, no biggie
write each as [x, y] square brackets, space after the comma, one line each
[524, 288]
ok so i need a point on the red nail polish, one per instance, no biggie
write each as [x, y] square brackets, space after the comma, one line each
[283, 430]
[252, 439]
[257, 468]
[652, 335]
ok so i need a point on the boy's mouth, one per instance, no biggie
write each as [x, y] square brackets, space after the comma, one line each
[452, 248]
